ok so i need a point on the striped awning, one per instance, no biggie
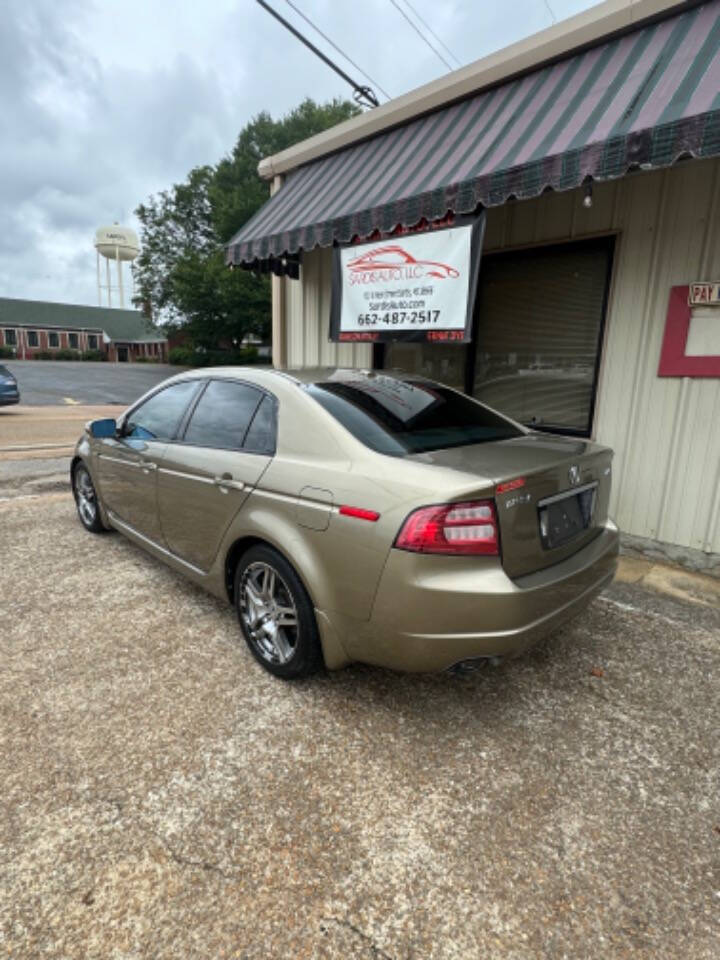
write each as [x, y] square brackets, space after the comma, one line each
[640, 100]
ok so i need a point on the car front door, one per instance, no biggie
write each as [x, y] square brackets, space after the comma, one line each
[127, 464]
[207, 474]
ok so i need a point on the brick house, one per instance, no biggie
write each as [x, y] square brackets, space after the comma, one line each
[35, 326]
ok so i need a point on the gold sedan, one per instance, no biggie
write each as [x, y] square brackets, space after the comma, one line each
[354, 515]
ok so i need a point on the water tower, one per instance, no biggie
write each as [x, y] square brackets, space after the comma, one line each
[118, 244]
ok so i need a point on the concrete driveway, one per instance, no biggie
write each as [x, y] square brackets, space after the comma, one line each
[163, 797]
[45, 382]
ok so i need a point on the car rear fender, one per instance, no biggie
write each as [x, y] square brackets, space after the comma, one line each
[340, 566]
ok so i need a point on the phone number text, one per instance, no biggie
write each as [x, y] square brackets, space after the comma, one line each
[398, 317]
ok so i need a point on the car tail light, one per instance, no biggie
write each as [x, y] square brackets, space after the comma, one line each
[454, 528]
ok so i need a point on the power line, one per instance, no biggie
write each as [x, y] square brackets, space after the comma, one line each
[337, 48]
[363, 94]
[550, 11]
[432, 33]
[420, 34]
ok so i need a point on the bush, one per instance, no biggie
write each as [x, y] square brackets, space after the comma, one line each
[93, 355]
[181, 356]
[42, 355]
[7, 353]
[188, 357]
[66, 354]
[146, 360]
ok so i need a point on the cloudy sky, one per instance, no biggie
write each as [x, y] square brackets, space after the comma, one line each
[105, 102]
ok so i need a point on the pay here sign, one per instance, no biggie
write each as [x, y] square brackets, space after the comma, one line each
[416, 286]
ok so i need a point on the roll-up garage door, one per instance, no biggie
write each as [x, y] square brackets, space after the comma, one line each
[539, 324]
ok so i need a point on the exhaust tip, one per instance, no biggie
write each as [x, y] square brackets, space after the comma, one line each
[472, 666]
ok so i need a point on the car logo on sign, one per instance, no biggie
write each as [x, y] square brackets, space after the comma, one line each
[396, 263]
[574, 475]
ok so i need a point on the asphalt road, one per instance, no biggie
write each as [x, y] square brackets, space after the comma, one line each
[164, 797]
[68, 382]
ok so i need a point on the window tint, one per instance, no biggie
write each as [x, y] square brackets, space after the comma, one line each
[223, 415]
[403, 417]
[158, 417]
[261, 435]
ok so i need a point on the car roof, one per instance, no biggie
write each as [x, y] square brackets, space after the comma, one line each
[266, 375]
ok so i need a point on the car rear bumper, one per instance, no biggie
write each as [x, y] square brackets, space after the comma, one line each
[432, 613]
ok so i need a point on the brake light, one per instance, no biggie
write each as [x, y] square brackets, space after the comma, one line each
[510, 485]
[453, 528]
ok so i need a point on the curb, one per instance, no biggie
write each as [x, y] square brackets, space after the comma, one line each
[671, 580]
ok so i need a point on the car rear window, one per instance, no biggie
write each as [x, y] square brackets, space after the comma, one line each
[402, 417]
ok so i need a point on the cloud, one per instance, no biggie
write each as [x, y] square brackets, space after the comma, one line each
[102, 104]
[85, 141]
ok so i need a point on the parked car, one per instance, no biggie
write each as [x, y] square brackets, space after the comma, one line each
[9, 392]
[355, 516]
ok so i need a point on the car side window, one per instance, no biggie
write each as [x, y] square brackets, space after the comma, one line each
[158, 418]
[261, 435]
[223, 415]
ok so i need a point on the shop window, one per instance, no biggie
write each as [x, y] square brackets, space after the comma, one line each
[10, 338]
[53, 340]
[92, 342]
[538, 330]
[73, 341]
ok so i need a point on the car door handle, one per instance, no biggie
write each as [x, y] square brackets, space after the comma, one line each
[226, 481]
[148, 466]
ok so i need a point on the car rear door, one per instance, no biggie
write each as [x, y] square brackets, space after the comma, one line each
[126, 465]
[207, 473]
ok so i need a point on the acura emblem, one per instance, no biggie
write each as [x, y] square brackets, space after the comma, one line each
[574, 475]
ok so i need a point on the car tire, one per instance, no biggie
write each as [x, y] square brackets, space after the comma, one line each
[276, 614]
[86, 499]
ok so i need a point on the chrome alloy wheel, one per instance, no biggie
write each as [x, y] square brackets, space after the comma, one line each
[269, 613]
[85, 497]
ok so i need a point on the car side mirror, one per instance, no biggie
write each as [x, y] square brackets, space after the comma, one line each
[103, 428]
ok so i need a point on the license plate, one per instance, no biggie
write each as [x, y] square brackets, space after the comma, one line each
[566, 515]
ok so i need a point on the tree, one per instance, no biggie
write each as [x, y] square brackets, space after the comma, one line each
[174, 223]
[180, 274]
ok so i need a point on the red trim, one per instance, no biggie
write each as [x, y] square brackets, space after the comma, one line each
[359, 513]
[673, 362]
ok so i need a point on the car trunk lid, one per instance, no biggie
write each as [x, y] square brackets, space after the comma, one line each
[551, 493]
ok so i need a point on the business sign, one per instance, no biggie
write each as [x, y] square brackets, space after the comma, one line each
[691, 342]
[409, 286]
[704, 295]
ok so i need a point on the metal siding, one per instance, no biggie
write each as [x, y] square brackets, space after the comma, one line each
[665, 431]
[308, 319]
